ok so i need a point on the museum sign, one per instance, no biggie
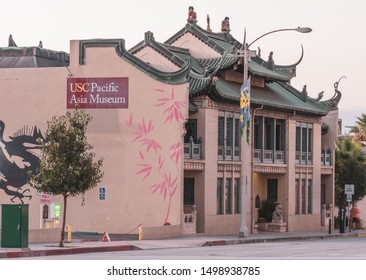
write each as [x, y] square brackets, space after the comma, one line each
[109, 93]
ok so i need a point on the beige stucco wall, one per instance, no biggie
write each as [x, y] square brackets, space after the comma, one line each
[32, 96]
[329, 141]
[208, 220]
[286, 182]
[156, 60]
[198, 49]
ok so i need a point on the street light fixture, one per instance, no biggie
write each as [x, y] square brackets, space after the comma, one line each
[298, 29]
[243, 230]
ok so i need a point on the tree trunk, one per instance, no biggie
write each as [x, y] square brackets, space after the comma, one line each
[63, 223]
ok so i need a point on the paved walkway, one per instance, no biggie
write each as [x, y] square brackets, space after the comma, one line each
[81, 246]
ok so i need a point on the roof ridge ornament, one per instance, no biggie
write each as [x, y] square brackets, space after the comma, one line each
[225, 25]
[149, 37]
[208, 23]
[320, 96]
[12, 42]
[192, 15]
[294, 64]
[270, 62]
[337, 94]
[304, 93]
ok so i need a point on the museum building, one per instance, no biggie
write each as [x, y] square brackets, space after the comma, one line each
[166, 121]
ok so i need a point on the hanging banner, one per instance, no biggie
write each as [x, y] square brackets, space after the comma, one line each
[99, 93]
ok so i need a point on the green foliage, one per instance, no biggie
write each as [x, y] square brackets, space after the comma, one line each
[360, 128]
[350, 168]
[266, 210]
[67, 164]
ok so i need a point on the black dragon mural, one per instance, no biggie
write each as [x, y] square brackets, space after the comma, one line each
[18, 156]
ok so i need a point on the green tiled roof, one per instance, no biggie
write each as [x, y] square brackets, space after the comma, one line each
[275, 95]
[198, 83]
[193, 107]
[257, 66]
[178, 77]
[195, 66]
[218, 63]
[221, 42]
[259, 69]
[199, 77]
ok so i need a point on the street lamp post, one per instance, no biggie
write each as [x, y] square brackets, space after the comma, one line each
[243, 230]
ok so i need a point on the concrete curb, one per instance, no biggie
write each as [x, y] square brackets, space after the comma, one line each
[280, 239]
[77, 249]
[26, 253]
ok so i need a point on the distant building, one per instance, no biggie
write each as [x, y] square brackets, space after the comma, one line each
[166, 121]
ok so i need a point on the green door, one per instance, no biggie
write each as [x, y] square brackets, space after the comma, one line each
[14, 226]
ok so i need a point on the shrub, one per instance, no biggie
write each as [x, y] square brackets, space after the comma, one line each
[266, 210]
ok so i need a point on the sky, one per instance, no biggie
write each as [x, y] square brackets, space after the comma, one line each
[335, 48]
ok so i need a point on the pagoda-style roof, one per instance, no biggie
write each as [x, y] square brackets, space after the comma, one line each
[220, 41]
[218, 75]
[259, 67]
[204, 77]
[177, 77]
[176, 55]
[275, 95]
[224, 42]
[201, 71]
[31, 57]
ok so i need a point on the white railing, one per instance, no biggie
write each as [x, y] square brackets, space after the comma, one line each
[304, 158]
[269, 156]
[326, 157]
[193, 151]
[229, 153]
[280, 157]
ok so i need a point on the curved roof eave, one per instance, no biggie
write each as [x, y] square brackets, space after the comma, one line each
[294, 64]
[210, 38]
[230, 92]
[198, 83]
[259, 68]
[178, 77]
[280, 72]
[218, 63]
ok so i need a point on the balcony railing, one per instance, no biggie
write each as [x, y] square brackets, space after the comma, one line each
[269, 156]
[193, 150]
[304, 158]
[228, 153]
[326, 157]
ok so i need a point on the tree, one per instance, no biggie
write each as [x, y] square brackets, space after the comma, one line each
[67, 164]
[360, 128]
[350, 168]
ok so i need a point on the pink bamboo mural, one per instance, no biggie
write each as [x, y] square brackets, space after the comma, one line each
[154, 158]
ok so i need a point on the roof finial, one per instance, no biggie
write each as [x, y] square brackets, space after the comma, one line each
[192, 16]
[208, 23]
[11, 42]
[320, 96]
[225, 25]
[40, 45]
[270, 62]
[337, 95]
[304, 94]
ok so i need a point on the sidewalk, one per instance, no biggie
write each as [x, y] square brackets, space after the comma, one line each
[81, 246]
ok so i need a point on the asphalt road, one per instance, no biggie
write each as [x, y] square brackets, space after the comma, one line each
[326, 249]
